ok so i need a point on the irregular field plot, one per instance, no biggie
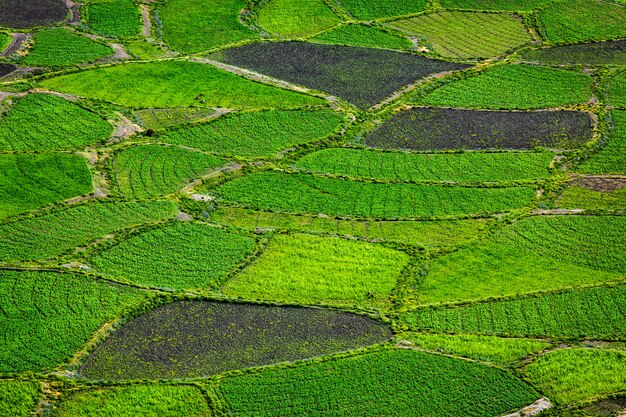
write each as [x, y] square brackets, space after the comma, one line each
[135, 400]
[466, 34]
[28, 13]
[28, 182]
[257, 134]
[150, 171]
[296, 18]
[116, 18]
[513, 87]
[365, 36]
[47, 122]
[181, 256]
[510, 5]
[410, 382]
[361, 76]
[430, 233]
[5, 38]
[175, 84]
[584, 313]
[600, 53]
[611, 159]
[617, 91]
[274, 190]
[571, 375]
[400, 166]
[160, 119]
[197, 338]
[311, 269]
[424, 129]
[534, 254]
[576, 197]
[375, 9]
[19, 398]
[6, 69]
[49, 316]
[59, 47]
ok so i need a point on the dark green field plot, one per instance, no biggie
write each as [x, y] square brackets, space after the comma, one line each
[584, 313]
[424, 129]
[136, 401]
[392, 383]
[375, 9]
[115, 18]
[28, 182]
[191, 26]
[594, 194]
[305, 193]
[354, 273]
[296, 18]
[617, 91]
[178, 256]
[257, 134]
[150, 171]
[514, 87]
[6, 69]
[198, 338]
[611, 159]
[402, 166]
[534, 254]
[465, 34]
[160, 119]
[510, 5]
[49, 316]
[27, 13]
[600, 53]
[19, 398]
[46, 122]
[583, 20]
[59, 47]
[365, 36]
[361, 76]
[176, 84]
[55, 233]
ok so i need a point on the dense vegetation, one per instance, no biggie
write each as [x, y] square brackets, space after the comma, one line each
[59, 47]
[28, 13]
[115, 18]
[296, 18]
[612, 157]
[374, 9]
[18, 398]
[617, 92]
[511, 5]
[365, 36]
[600, 53]
[160, 119]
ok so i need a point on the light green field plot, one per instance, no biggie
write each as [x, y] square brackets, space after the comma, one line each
[59, 47]
[583, 20]
[46, 122]
[49, 316]
[403, 166]
[182, 255]
[375, 9]
[510, 5]
[175, 84]
[150, 171]
[115, 18]
[160, 119]
[500, 350]
[514, 87]
[311, 270]
[55, 233]
[593, 313]
[396, 382]
[572, 375]
[429, 233]
[143, 49]
[257, 134]
[19, 398]
[465, 34]
[617, 91]
[296, 18]
[534, 254]
[135, 401]
[279, 191]
[575, 197]
[611, 159]
[191, 26]
[28, 182]
[4, 40]
[365, 36]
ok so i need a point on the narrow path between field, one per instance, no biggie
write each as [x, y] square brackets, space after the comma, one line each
[15, 45]
[535, 408]
[147, 23]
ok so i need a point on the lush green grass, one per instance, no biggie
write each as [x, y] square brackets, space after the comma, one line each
[365, 36]
[257, 134]
[391, 383]
[403, 166]
[582, 198]
[149, 171]
[375, 9]
[617, 92]
[279, 191]
[514, 87]
[161, 119]
[47, 122]
[135, 401]
[49, 316]
[19, 398]
[534, 254]
[593, 313]
[611, 159]
[583, 20]
[499, 350]
[296, 18]
[28, 182]
[59, 47]
[115, 18]
[4, 40]
[466, 34]
[175, 84]
[572, 375]
[431, 233]
[510, 5]
[57, 232]
[194, 256]
[142, 49]
[191, 26]
[310, 269]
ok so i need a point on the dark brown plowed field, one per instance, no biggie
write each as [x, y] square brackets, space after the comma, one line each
[28, 13]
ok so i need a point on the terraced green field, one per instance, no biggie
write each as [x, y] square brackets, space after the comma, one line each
[365, 36]
[114, 18]
[296, 18]
[19, 398]
[372, 9]
[59, 47]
